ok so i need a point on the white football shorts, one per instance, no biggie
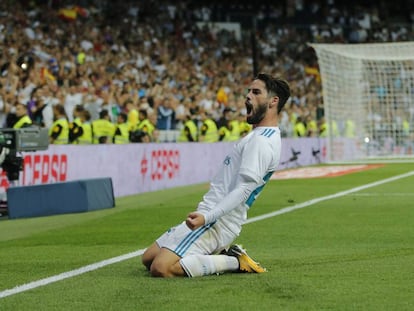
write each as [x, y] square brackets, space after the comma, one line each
[206, 240]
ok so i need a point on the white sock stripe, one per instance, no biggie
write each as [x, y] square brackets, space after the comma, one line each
[101, 264]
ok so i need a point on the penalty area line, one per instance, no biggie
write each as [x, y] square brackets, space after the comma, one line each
[107, 262]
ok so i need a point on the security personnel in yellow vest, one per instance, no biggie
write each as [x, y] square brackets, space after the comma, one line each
[208, 130]
[349, 128]
[145, 126]
[323, 127]
[326, 129]
[121, 135]
[189, 131]
[299, 130]
[334, 128]
[59, 131]
[23, 120]
[244, 127]
[311, 126]
[86, 129]
[132, 114]
[224, 132]
[224, 119]
[234, 128]
[406, 128]
[75, 127]
[103, 129]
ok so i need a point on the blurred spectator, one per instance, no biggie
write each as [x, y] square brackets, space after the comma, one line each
[189, 132]
[165, 114]
[75, 127]
[72, 99]
[145, 126]
[299, 128]
[121, 135]
[107, 56]
[59, 131]
[208, 130]
[41, 110]
[132, 114]
[103, 129]
[22, 117]
[86, 136]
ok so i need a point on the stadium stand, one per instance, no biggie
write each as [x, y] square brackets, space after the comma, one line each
[176, 60]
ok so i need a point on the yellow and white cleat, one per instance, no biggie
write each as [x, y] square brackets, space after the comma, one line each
[246, 263]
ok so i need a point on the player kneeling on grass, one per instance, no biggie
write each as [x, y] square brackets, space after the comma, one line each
[200, 245]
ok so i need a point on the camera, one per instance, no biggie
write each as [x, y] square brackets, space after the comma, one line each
[21, 140]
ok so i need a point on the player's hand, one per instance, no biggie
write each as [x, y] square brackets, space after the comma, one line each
[194, 220]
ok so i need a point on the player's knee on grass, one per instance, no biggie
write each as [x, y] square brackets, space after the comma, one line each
[165, 270]
[146, 263]
[159, 269]
[147, 259]
[149, 255]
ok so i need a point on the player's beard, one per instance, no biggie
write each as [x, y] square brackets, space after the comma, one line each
[258, 113]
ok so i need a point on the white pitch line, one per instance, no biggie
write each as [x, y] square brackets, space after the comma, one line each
[101, 264]
[69, 274]
[384, 194]
[328, 197]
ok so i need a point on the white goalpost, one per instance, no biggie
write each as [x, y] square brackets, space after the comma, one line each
[368, 94]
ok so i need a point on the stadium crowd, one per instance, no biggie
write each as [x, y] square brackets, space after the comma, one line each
[126, 72]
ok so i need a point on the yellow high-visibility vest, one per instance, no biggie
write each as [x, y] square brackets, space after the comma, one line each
[63, 137]
[23, 121]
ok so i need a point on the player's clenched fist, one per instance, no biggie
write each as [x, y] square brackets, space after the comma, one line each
[194, 220]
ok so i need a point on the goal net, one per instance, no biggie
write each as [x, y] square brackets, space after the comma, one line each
[368, 94]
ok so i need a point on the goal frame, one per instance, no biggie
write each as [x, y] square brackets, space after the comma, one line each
[352, 76]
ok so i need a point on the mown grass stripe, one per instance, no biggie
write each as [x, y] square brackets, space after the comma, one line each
[101, 264]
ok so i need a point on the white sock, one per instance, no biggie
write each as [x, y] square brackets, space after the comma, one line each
[200, 265]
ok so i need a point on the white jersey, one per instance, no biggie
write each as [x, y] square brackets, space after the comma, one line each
[254, 157]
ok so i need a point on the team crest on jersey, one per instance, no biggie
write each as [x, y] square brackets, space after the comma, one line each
[227, 160]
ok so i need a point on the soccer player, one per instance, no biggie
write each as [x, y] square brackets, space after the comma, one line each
[200, 245]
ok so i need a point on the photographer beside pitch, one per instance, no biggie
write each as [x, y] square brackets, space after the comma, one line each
[200, 245]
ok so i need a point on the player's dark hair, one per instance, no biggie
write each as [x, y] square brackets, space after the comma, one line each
[276, 86]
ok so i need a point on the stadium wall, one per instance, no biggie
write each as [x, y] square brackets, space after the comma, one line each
[137, 168]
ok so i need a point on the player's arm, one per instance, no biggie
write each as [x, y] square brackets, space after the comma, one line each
[239, 195]
[236, 197]
[256, 160]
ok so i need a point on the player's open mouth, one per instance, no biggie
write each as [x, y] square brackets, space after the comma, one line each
[249, 107]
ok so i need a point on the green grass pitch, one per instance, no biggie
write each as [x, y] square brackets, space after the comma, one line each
[351, 252]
